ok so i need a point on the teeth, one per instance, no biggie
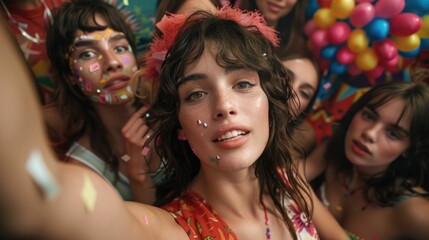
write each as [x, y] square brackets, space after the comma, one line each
[230, 134]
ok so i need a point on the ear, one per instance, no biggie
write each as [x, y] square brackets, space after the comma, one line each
[181, 135]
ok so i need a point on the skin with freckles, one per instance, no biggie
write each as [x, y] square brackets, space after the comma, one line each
[222, 97]
[103, 63]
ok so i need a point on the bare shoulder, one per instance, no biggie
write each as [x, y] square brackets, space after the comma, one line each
[412, 215]
[160, 223]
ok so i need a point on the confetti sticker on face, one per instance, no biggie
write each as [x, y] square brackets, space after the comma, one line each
[40, 173]
[94, 67]
[214, 160]
[88, 194]
[88, 87]
[100, 57]
[126, 60]
[145, 151]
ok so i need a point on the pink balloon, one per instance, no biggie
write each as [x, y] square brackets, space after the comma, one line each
[345, 55]
[375, 73]
[320, 38]
[389, 8]
[385, 49]
[405, 24]
[339, 32]
[392, 63]
[309, 28]
[362, 14]
[361, 1]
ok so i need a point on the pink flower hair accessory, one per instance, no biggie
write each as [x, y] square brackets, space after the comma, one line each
[170, 25]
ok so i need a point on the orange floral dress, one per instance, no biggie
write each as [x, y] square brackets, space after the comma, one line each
[200, 221]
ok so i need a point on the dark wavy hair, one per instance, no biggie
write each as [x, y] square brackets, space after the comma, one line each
[410, 169]
[250, 50]
[78, 113]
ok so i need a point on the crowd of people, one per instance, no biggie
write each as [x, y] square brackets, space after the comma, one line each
[202, 134]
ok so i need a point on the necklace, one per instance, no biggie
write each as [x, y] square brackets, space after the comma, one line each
[36, 38]
[267, 221]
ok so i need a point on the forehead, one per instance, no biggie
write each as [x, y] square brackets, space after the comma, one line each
[303, 69]
[394, 112]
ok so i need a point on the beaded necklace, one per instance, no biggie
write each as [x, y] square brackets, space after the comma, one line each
[36, 38]
[267, 221]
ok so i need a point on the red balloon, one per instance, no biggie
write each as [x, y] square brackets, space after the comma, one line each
[345, 55]
[339, 32]
[320, 38]
[392, 63]
[405, 24]
[362, 14]
[385, 49]
[375, 73]
[324, 3]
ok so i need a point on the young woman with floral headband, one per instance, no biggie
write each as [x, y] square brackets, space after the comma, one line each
[221, 122]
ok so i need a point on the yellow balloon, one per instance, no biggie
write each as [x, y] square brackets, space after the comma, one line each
[358, 41]
[323, 18]
[407, 43]
[366, 60]
[342, 8]
[424, 30]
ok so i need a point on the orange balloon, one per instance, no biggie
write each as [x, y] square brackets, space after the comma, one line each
[342, 8]
[323, 18]
[358, 41]
[407, 43]
[366, 60]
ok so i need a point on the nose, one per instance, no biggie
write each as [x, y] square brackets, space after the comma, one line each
[111, 62]
[224, 106]
[370, 133]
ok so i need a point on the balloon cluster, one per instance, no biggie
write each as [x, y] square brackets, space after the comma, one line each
[369, 36]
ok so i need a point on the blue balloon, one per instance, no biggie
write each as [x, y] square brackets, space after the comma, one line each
[328, 52]
[337, 68]
[377, 29]
[424, 43]
[410, 54]
[419, 7]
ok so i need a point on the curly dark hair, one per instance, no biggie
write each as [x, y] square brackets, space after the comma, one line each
[251, 50]
[410, 169]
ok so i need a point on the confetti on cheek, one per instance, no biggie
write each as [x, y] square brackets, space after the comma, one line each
[145, 151]
[88, 87]
[214, 160]
[94, 67]
[102, 80]
[40, 173]
[146, 221]
[100, 57]
[88, 194]
[126, 60]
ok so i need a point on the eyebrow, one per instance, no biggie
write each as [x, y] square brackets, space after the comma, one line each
[90, 42]
[395, 126]
[307, 85]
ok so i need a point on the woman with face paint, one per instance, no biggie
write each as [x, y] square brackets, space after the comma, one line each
[92, 50]
[377, 164]
[221, 122]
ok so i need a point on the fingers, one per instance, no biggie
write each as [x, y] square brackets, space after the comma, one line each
[136, 117]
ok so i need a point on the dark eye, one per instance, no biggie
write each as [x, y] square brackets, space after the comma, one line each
[120, 49]
[305, 95]
[243, 85]
[368, 116]
[87, 55]
[393, 134]
[195, 96]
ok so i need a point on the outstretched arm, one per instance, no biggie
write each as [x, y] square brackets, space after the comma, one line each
[41, 197]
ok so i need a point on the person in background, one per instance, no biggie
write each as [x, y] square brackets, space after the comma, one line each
[92, 50]
[184, 6]
[287, 17]
[232, 154]
[376, 165]
[305, 83]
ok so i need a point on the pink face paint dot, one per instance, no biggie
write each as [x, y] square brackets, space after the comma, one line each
[145, 151]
